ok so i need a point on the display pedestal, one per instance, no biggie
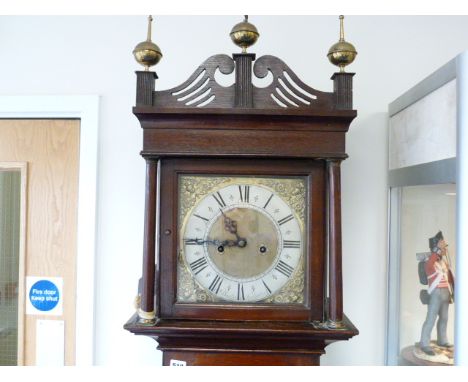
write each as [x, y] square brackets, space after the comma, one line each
[408, 356]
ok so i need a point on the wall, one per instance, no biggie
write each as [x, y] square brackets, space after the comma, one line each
[92, 55]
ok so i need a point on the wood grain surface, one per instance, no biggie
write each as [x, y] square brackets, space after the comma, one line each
[51, 149]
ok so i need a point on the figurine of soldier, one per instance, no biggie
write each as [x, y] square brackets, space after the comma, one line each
[440, 290]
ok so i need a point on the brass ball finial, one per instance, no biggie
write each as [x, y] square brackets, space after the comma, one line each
[342, 53]
[244, 34]
[147, 53]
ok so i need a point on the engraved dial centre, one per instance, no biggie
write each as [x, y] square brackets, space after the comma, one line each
[243, 260]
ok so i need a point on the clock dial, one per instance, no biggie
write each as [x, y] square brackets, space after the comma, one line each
[242, 242]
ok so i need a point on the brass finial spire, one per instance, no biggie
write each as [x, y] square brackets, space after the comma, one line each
[147, 53]
[341, 28]
[150, 21]
[342, 53]
[244, 34]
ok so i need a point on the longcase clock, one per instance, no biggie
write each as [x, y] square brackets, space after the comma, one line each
[242, 240]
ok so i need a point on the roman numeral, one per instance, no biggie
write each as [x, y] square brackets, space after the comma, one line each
[285, 219]
[216, 284]
[219, 199]
[192, 242]
[266, 286]
[268, 201]
[284, 268]
[198, 265]
[240, 292]
[201, 217]
[291, 244]
[244, 192]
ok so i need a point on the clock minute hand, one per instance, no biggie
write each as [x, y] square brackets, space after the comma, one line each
[214, 242]
[240, 242]
[229, 243]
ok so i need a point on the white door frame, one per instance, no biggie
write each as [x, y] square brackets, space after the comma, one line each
[85, 108]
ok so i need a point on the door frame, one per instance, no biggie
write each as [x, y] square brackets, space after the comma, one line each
[85, 108]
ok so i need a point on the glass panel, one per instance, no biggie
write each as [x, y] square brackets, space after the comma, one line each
[10, 198]
[426, 324]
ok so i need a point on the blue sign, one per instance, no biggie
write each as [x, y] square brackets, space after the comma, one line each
[44, 295]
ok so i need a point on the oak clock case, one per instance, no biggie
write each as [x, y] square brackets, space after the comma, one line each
[249, 241]
[242, 242]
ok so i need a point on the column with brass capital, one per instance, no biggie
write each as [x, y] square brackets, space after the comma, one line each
[335, 278]
[148, 54]
[147, 311]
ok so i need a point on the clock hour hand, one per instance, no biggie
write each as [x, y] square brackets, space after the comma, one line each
[230, 225]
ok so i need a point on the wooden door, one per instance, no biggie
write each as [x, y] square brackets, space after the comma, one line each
[51, 150]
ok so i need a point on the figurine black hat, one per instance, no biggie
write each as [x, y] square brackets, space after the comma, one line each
[434, 240]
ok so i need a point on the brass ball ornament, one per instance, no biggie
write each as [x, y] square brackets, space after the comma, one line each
[244, 34]
[342, 53]
[147, 53]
